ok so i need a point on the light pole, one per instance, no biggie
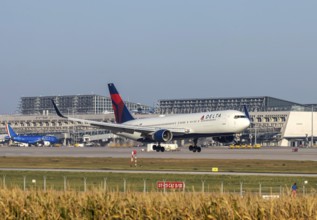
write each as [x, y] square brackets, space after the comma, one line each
[312, 126]
[254, 135]
[74, 129]
[68, 132]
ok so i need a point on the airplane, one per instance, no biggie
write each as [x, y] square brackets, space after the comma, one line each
[221, 125]
[38, 140]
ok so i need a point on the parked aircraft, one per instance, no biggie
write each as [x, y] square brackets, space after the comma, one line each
[38, 140]
[221, 125]
[3, 138]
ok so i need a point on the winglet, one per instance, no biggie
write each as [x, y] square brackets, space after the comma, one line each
[57, 110]
[246, 112]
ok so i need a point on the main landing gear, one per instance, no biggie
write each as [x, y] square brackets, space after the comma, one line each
[195, 148]
[158, 148]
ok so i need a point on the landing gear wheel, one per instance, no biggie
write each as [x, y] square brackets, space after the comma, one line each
[154, 147]
[158, 148]
[195, 148]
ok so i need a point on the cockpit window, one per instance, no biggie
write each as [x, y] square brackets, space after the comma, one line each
[240, 116]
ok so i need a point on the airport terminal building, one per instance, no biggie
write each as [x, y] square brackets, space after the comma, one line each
[73, 104]
[275, 122]
[255, 104]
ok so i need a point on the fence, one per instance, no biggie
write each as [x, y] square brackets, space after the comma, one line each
[84, 184]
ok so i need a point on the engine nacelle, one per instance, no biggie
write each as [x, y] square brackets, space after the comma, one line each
[224, 139]
[46, 143]
[162, 136]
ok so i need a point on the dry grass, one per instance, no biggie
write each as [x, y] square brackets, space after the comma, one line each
[17, 204]
[107, 163]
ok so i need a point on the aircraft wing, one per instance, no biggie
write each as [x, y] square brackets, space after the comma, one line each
[120, 127]
[124, 128]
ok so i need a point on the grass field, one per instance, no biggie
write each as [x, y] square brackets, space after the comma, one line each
[273, 166]
[137, 182]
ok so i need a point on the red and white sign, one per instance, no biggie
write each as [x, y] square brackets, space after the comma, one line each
[170, 185]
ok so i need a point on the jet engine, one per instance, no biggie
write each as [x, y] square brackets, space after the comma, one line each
[162, 136]
[47, 143]
[224, 139]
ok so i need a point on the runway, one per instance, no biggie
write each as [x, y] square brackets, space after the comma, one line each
[267, 153]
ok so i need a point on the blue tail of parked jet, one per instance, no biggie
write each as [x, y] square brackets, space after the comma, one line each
[121, 112]
[10, 131]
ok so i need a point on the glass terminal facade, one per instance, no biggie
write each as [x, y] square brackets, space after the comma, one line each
[73, 104]
[254, 104]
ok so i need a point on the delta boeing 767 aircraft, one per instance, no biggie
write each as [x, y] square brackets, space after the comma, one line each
[221, 125]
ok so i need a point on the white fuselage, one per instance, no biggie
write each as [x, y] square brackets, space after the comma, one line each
[2, 137]
[203, 124]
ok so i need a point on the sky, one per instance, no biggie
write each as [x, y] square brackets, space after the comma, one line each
[156, 50]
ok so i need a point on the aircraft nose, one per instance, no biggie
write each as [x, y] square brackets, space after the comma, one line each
[247, 123]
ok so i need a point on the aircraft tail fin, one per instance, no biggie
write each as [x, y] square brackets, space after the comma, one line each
[121, 112]
[10, 131]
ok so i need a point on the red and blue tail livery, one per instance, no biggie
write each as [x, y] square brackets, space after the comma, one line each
[121, 112]
[222, 126]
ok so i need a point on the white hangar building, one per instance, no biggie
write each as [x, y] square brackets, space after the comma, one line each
[283, 128]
